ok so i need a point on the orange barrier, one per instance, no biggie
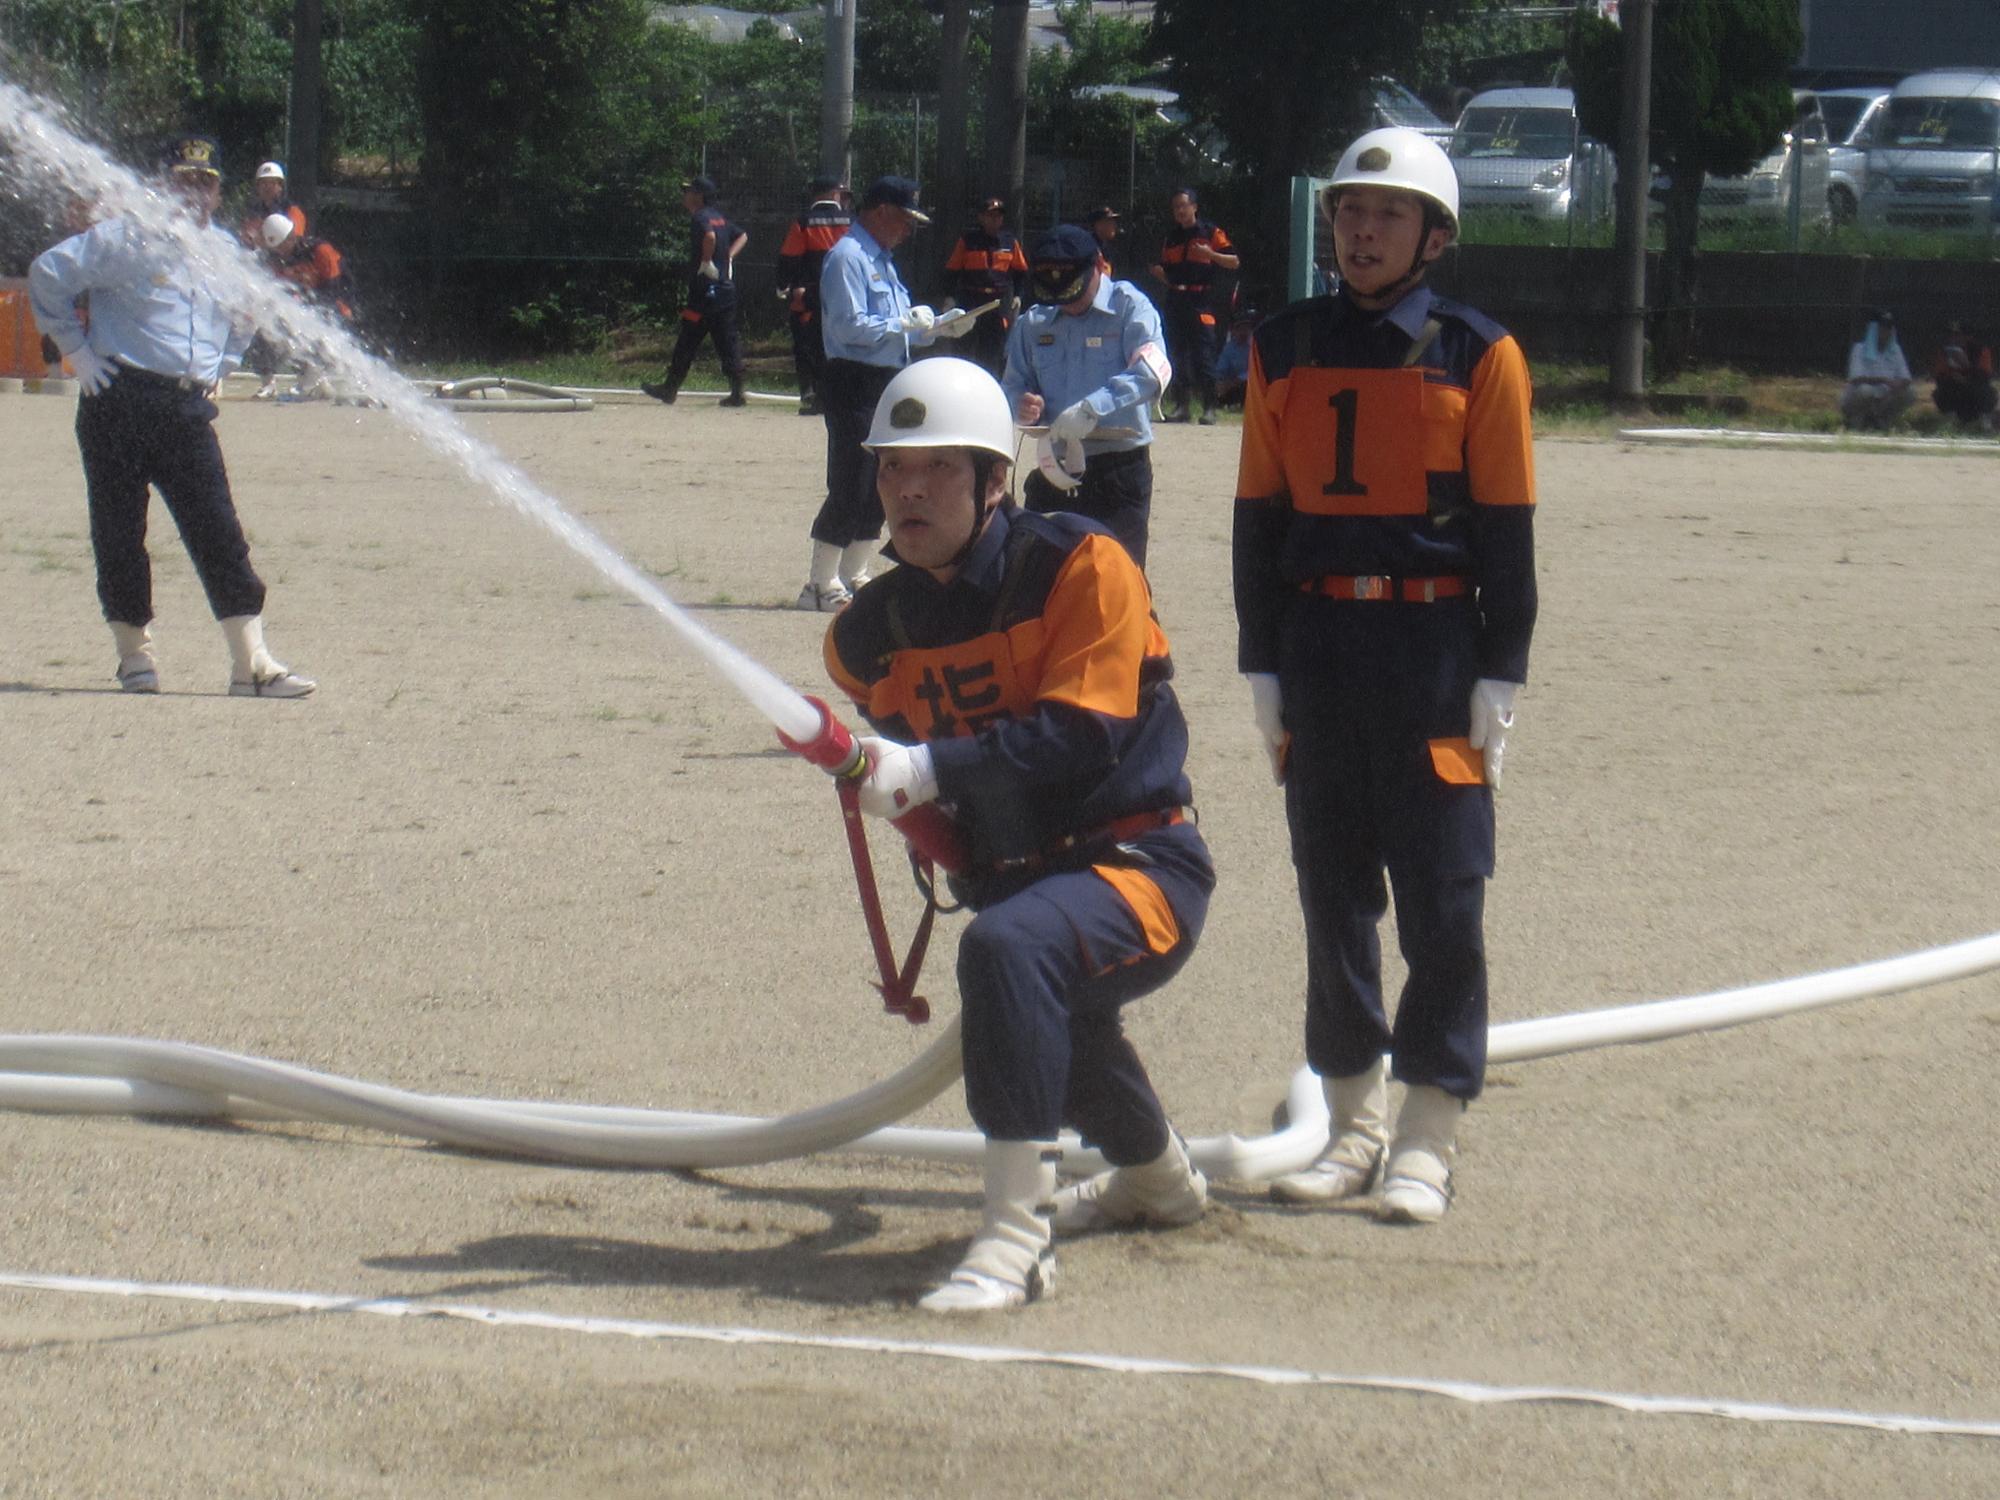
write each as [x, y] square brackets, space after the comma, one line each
[20, 339]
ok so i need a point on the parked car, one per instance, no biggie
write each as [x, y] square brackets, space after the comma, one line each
[1934, 159]
[1396, 105]
[1850, 116]
[1522, 150]
[1797, 165]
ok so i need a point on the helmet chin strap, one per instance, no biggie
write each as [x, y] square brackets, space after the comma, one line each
[982, 472]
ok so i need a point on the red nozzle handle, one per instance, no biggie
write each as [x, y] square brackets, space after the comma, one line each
[832, 749]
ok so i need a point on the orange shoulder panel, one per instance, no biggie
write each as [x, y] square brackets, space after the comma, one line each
[1260, 467]
[1100, 629]
[1499, 430]
[846, 681]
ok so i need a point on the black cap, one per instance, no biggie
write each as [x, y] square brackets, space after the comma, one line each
[703, 185]
[992, 203]
[1098, 215]
[895, 192]
[192, 153]
[1068, 243]
[821, 187]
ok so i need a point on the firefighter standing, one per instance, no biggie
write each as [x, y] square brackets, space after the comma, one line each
[1014, 666]
[1192, 252]
[1089, 354]
[710, 311]
[810, 236]
[270, 197]
[988, 265]
[158, 340]
[1385, 597]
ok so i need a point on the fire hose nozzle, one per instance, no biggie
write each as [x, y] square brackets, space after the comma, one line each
[832, 749]
[835, 750]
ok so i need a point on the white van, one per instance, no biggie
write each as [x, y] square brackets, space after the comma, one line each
[1521, 150]
[1934, 160]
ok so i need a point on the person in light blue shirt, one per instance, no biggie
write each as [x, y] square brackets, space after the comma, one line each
[1089, 359]
[868, 327]
[159, 337]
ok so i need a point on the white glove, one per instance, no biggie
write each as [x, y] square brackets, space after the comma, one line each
[1073, 423]
[953, 326]
[919, 320]
[900, 777]
[1267, 707]
[709, 272]
[1061, 464]
[94, 371]
[1492, 717]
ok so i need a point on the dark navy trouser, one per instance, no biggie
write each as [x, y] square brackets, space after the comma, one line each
[1191, 348]
[143, 431]
[1117, 493]
[1368, 687]
[1042, 975]
[847, 396]
[710, 314]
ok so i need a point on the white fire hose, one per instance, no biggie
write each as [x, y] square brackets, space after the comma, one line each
[112, 1075]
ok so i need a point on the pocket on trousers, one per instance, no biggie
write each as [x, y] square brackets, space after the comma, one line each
[1457, 763]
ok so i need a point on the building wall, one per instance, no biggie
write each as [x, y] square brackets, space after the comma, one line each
[1903, 37]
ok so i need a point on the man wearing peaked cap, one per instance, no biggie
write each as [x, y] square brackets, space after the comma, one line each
[868, 328]
[158, 340]
[1089, 355]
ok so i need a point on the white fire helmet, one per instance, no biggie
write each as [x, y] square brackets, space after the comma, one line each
[1397, 157]
[944, 403]
[275, 230]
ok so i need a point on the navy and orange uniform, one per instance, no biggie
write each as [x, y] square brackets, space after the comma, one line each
[319, 271]
[1190, 309]
[988, 268]
[1042, 682]
[1384, 563]
[800, 258]
[710, 310]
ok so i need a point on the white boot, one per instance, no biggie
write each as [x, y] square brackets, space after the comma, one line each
[137, 672]
[1356, 1142]
[855, 560]
[1010, 1262]
[824, 591]
[1166, 1192]
[1416, 1188]
[253, 671]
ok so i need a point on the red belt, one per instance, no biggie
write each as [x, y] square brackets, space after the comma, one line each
[1382, 586]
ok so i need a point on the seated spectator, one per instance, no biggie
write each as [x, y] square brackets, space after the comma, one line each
[1878, 377]
[1232, 365]
[1964, 374]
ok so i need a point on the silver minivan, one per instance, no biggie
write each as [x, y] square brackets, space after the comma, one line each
[1934, 159]
[1522, 150]
[1850, 116]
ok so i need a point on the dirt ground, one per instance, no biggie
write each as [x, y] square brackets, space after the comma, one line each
[522, 845]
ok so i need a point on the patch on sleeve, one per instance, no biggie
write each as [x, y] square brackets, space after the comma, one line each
[1154, 358]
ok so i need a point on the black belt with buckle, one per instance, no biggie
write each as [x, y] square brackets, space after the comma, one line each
[154, 377]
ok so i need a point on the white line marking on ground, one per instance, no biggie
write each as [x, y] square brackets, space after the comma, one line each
[1116, 1364]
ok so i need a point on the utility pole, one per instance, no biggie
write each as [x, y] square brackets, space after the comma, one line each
[1007, 105]
[836, 100]
[951, 196]
[1635, 177]
[302, 129]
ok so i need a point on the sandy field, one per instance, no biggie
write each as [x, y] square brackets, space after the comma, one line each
[523, 845]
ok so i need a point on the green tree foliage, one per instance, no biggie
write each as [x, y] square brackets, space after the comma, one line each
[1719, 102]
[1286, 83]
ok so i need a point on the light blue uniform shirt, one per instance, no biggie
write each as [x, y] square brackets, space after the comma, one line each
[862, 302]
[148, 307]
[1112, 355]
